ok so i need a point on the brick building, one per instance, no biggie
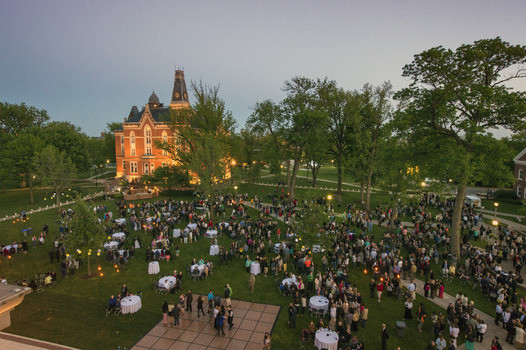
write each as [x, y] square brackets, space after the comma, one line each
[519, 173]
[135, 148]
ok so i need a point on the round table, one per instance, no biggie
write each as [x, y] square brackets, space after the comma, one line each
[111, 245]
[192, 226]
[150, 219]
[277, 247]
[120, 221]
[199, 267]
[153, 268]
[319, 303]
[289, 281]
[326, 339]
[176, 232]
[255, 268]
[214, 249]
[171, 281]
[211, 233]
[131, 304]
[119, 235]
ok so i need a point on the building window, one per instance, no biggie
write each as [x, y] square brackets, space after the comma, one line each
[133, 167]
[165, 140]
[151, 168]
[146, 167]
[123, 165]
[519, 191]
[148, 140]
[521, 174]
[132, 143]
[122, 145]
[148, 150]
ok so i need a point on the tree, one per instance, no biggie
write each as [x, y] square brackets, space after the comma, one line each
[18, 159]
[367, 134]
[87, 233]
[316, 152]
[342, 108]
[54, 169]
[67, 138]
[16, 118]
[202, 146]
[290, 123]
[459, 97]
[167, 176]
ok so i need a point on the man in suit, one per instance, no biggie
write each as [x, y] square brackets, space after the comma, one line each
[385, 336]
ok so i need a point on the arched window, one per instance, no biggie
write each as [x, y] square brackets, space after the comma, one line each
[152, 168]
[146, 168]
[148, 140]
[165, 139]
[132, 143]
[122, 144]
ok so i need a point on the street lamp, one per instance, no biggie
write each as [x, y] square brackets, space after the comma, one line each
[496, 204]
[329, 197]
[495, 224]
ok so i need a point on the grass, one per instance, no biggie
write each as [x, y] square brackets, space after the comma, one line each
[72, 313]
[510, 208]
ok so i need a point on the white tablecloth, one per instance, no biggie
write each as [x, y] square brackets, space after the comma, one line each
[289, 281]
[192, 226]
[319, 303]
[214, 249]
[176, 232]
[120, 221]
[119, 235]
[150, 219]
[326, 339]
[278, 247]
[211, 233]
[153, 268]
[111, 245]
[316, 248]
[255, 268]
[130, 305]
[121, 252]
[171, 281]
[199, 267]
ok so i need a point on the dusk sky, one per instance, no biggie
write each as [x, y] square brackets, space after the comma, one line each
[89, 62]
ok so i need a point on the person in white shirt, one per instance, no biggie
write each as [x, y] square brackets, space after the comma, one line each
[441, 342]
[481, 330]
[454, 332]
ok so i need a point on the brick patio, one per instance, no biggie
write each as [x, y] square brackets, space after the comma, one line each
[251, 321]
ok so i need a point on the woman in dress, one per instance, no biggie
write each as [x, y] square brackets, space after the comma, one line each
[266, 341]
[408, 307]
[441, 290]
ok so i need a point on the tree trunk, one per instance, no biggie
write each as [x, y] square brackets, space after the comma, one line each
[394, 216]
[89, 266]
[362, 186]
[288, 173]
[368, 190]
[457, 216]
[314, 173]
[294, 174]
[339, 186]
[31, 197]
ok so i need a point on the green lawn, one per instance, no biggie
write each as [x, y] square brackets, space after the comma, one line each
[72, 312]
[489, 204]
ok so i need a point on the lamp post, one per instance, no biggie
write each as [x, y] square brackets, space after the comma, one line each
[235, 188]
[495, 224]
[329, 197]
[496, 204]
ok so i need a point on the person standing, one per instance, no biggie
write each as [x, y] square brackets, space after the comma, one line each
[495, 345]
[470, 338]
[177, 313]
[385, 337]
[379, 290]
[481, 330]
[165, 313]
[220, 322]
[230, 317]
[266, 341]
[189, 299]
[251, 282]
[228, 294]
[200, 309]
[292, 316]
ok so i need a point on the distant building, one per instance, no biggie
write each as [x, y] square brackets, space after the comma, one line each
[135, 148]
[519, 173]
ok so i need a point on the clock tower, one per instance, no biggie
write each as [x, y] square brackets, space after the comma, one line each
[179, 94]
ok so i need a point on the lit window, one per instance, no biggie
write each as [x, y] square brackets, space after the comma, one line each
[132, 142]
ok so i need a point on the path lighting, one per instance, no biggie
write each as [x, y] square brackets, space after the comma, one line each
[496, 204]
[99, 268]
[423, 184]
[365, 272]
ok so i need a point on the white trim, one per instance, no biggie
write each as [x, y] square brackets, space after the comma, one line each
[516, 159]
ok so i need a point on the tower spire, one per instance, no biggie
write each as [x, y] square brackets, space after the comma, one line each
[179, 93]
